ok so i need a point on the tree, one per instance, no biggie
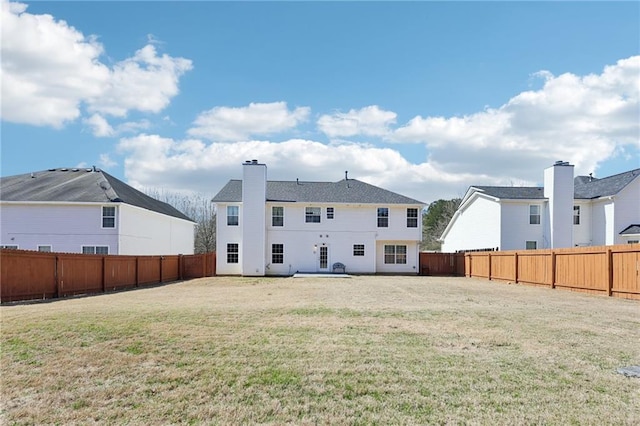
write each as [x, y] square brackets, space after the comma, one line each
[197, 207]
[435, 220]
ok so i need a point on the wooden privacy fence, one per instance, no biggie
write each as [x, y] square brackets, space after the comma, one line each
[441, 263]
[607, 270]
[27, 275]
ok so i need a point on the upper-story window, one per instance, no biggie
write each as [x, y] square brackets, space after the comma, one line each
[108, 217]
[277, 216]
[383, 217]
[576, 215]
[232, 215]
[312, 215]
[534, 214]
[44, 248]
[412, 218]
[329, 212]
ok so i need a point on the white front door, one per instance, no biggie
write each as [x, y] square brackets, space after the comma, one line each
[323, 259]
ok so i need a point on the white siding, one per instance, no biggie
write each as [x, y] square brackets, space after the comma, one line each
[515, 227]
[558, 188]
[352, 224]
[143, 232]
[227, 234]
[627, 210]
[254, 189]
[582, 233]
[476, 226]
[65, 227]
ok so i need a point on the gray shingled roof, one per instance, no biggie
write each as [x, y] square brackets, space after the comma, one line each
[604, 187]
[631, 230]
[513, 192]
[344, 191]
[79, 185]
[585, 187]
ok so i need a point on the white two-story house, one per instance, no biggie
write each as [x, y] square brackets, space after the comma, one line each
[284, 227]
[78, 210]
[565, 212]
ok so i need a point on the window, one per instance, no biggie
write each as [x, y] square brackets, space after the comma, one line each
[95, 250]
[534, 214]
[358, 249]
[329, 212]
[412, 218]
[232, 253]
[628, 242]
[395, 254]
[45, 248]
[383, 217]
[10, 247]
[277, 216]
[108, 217]
[576, 215]
[232, 216]
[277, 253]
[312, 215]
[531, 245]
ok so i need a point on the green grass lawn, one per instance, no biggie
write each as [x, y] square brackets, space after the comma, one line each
[362, 350]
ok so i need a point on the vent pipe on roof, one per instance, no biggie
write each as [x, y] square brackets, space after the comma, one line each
[590, 177]
[346, 175]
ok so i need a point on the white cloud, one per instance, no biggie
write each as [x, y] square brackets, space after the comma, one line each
[155, 162]
[584, 120]
[99, 126]
[369, 121]
[50, 70]
[257, 119]
[106, 162]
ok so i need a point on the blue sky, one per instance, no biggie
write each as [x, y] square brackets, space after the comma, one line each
[422, 98]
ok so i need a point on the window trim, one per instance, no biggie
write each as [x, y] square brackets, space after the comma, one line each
[310, 213]
[274, 216]
[95, 249]
[277, 253]
[233, 256]
[532, 215]
[230, 216]
[383, 217]
[392, 256]
[108, 217]
[411, 219]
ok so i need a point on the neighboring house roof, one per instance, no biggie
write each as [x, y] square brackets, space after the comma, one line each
[344, 191]
[79, 185]
[611, 185]
[631, 230]
[585, 187]
[513, 192]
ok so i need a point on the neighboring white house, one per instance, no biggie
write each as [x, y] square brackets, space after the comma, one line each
[566, 212]
[88, 211]
[283, 227]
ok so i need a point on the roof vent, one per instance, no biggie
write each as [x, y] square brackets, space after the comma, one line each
[254, 161]
[346, 175]
[64, 169]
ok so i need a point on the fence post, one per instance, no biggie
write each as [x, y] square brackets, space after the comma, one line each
[57, 274]
[489, 272]
[180, 267]
[515, 268]
[553, 269]
[137, 271]
[161, 257]
[104, 274]
[609, 272]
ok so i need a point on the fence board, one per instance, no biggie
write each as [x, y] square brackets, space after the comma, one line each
[606, 270]
[441, 263]
[29, 275]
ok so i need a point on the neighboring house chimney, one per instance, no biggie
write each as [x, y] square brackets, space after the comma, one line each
[253, 218]
[558, 188]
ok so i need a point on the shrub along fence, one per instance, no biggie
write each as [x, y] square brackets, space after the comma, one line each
[28, 275]
[606, 270]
